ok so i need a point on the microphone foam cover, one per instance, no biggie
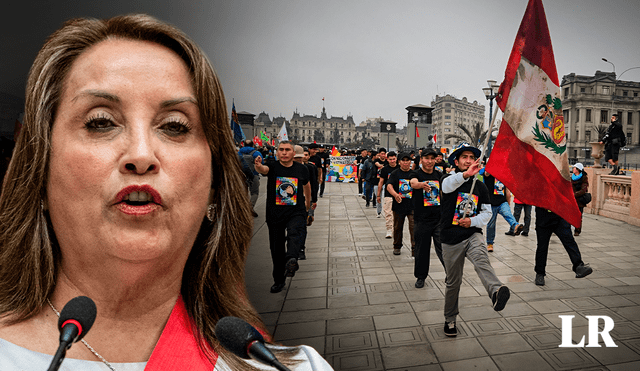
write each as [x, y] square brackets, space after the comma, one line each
[81, 309]
[235, 335]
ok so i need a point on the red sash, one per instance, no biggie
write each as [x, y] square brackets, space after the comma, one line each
[177, 348]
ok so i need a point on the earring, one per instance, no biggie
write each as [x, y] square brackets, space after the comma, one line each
[210, 212]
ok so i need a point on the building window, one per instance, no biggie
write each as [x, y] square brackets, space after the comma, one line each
[577, 115]
[605, 90]
[588, 118]
[447, 123]
[604, 116]
[583, 90]
[447, 117]
[447, 130]
[577, 134]
[629, 118]
[447, 142]
[447, 104]
[625, 93]
[635, 93]
[448, 110]
[566, 92]
[587, 135]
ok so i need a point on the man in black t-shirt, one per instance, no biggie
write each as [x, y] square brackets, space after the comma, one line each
[359, 161]
[385, 172]
[463, 214]
[441, 165]
[426, 214]
[326, 161]
[399, 188]
[500, 200]
[315, 158]
[288, 201]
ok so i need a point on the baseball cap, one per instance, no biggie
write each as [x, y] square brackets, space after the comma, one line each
[579, 166]
[299, 151]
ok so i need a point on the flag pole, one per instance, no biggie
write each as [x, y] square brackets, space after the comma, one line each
[484, 149]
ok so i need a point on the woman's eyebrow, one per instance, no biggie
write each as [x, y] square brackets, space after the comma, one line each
[97, 93]
[176, 101]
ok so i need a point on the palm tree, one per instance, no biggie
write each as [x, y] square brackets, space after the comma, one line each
[476, 135]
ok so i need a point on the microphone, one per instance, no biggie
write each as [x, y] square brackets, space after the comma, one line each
[243, 340]
[75, 320]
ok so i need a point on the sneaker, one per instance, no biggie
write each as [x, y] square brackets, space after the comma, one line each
[490, 247]
[277, 287]
[450, 329]
[539, 279]
[379, 215]
[367, 205]
[510, 233]
[389, 234]
[302, 255]
[519, 229]
[524, 234]
[396, 251]
[500, 298]
[419, 283]
[583, 270]
[291, 267]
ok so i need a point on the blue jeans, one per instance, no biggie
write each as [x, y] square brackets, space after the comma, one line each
[503, 210]
[368, 191]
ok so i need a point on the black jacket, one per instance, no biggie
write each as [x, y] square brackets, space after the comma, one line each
[614, 134]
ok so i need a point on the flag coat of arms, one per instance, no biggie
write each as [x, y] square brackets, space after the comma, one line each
[530, 154]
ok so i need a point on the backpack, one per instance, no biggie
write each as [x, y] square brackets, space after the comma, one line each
[248, 166]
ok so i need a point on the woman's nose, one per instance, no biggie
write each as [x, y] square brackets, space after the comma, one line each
[140, 155]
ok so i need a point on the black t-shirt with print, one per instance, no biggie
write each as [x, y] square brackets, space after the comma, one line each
[285, 190]
[400, 180]
[313, 178]
[426, 206]
[384, 174]
[452, 208]
[497, 190]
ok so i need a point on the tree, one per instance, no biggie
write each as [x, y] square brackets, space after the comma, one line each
[318, 136]
[401, 145]
[336, 136]
[600, 129]
[476, 135]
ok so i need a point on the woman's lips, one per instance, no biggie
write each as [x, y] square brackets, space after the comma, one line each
[144, 192]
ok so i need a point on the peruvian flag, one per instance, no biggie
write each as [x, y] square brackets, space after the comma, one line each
[417, 133]
[435, 138]
[530, 154]
[257, 141]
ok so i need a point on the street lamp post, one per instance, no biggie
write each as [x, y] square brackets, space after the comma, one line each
[490, 93]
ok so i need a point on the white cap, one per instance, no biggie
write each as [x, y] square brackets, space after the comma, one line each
[579, 166]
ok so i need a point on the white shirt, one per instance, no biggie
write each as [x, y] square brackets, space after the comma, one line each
[16, 358]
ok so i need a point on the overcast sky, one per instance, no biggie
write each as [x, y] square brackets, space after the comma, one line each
[366, 58]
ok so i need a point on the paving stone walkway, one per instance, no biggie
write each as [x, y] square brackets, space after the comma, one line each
[355, 302]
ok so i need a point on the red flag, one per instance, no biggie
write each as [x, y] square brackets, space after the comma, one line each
[417, 133]
[530, 154]
[257, 141]
[335, 152]
[435, 138]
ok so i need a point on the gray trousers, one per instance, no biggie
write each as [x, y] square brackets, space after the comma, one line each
[254, 190]
[474, 249]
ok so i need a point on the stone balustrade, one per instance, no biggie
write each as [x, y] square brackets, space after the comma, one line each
[614, 196]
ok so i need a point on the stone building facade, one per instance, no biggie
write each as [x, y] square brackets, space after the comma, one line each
[589, 102]
[449, 111]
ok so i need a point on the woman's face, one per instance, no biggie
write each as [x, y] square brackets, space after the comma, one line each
[576, 171]
[130, 169]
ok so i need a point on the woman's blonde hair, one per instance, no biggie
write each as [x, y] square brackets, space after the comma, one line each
[213, 278]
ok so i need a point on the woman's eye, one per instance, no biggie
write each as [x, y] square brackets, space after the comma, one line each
[99, 124]
[176, 128]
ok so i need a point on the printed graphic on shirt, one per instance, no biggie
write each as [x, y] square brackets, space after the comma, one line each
[465, 202]
[405, 188]
[439, 168]
[498, 188]
[432, 198]
[286, 190]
